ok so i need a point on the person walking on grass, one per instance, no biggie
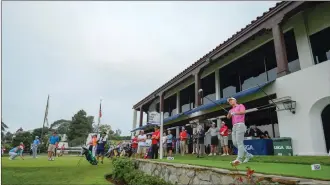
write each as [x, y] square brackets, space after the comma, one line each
[16, 151]
[53, 142]
[100, 147]
[35, 145]
[214, 138]
[224, 138]
[237, 115]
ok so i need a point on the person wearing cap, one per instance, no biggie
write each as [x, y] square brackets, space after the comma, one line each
[224, 138]
[35, 145]
[183, 140]
[53, 141]
[100, 146]
[214, 138]
[237, 115]
[155, 142]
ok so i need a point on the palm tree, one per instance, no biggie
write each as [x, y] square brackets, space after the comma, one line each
[3, 128]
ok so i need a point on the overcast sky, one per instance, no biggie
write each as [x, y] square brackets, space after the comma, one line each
[122, 51]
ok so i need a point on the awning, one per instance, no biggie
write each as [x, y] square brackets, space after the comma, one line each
[224, 100]
[145, 126]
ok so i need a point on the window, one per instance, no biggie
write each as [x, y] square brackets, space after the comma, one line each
[320, 43]
[187, 98]
[291, 51]
[208, 86]
[170, 106]
[257, 67]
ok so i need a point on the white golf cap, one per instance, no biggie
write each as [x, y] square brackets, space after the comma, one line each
[231, 98]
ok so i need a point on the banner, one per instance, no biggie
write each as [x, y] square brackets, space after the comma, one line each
[153, 117]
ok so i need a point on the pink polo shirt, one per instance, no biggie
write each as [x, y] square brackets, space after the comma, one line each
[238, 118]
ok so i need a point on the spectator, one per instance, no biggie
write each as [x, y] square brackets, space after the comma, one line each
[134, 145]
[53, 141]
[183, 140]
[214, 138]
[16, 151]
[142, 148]
[169, 143]
[35, 145]
[255, 132]
[101, 142]
[200, 146]
[155, 142]
[266, 135]
[94, 144]
[164, 144]
[224, 138]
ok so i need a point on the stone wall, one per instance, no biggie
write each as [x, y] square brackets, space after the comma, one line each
[196, 175]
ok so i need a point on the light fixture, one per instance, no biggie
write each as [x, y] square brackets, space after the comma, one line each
[285, 103]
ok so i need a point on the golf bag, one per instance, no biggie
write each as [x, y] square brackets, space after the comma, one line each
[127, 150]
[89, 156]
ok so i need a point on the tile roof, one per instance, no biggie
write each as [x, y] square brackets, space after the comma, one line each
[215, 50]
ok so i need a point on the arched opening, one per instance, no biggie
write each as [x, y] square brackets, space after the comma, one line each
[325, 116]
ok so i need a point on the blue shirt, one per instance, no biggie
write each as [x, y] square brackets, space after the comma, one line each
[36, 142]
[169, 138]
[53, 140]
[16, 150]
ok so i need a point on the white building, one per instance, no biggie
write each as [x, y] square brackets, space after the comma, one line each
[285, 54]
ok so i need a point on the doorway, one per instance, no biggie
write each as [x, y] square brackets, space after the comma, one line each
[325, 116]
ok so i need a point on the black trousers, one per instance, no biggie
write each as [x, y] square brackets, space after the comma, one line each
[154, 151]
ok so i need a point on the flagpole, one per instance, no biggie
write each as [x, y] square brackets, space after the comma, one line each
[99, 120]
[45, 118]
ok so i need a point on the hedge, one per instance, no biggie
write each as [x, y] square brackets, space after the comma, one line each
[124, 170]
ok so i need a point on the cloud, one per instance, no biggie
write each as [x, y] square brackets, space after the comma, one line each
[79, 51]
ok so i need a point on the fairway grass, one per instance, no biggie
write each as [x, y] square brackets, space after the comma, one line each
[274, 165]
[63, 170]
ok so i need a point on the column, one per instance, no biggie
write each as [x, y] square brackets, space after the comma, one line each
[178, 106]
[177, 136]
[161, 110]
[304, 48]
[197, 87]
[280, 51]
[217, 84]
[134, 118]
[141, 117]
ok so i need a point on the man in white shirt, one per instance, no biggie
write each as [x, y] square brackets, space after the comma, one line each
[141, 144]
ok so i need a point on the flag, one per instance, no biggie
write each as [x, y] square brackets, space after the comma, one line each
[46, 113]
[99, 120]
[100, 112]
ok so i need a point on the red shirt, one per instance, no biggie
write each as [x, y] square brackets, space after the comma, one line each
[183, 135]
[155, 135]
[134, 143]
[224, 129]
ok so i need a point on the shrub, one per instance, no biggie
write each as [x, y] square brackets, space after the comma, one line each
[124, 170]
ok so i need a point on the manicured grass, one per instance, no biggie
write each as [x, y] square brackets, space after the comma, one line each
[63, 170]
[295, 166]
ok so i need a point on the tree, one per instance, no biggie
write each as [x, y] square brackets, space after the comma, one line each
[8, 137]
[3, 129]
[79, 127]
[63, 128]
[105, 128]
[59, 123]
[25, 137]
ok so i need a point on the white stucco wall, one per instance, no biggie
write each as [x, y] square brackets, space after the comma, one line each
[307, 87]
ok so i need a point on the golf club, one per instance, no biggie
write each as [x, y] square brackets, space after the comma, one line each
[268, 96]
[200, 91]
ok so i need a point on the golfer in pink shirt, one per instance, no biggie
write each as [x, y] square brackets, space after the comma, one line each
[237, 115]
